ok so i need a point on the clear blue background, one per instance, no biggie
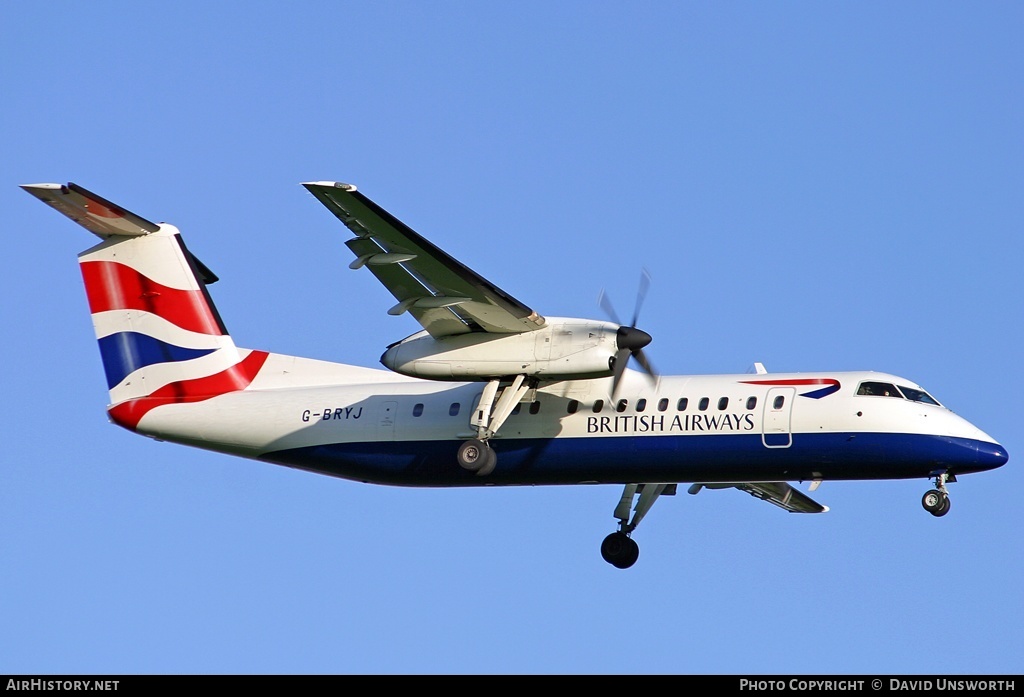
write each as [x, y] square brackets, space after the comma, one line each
[816, 186]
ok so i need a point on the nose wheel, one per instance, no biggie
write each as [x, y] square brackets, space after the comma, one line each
[936, 501]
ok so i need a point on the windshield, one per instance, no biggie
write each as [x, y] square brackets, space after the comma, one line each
[918, 395]
[878, 389]
[886, 389]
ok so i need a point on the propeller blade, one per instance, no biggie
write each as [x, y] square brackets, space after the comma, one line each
[606, 305]
[641, 358]
[645, 283]
[619, 369]
[629, 340]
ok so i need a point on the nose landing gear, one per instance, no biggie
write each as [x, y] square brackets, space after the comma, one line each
[936, 501]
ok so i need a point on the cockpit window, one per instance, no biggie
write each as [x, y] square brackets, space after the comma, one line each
[878, 389]
[918, 395]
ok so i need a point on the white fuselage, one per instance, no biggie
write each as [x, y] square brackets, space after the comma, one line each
[373, 425]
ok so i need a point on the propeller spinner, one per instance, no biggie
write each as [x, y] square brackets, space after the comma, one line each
[629, 340]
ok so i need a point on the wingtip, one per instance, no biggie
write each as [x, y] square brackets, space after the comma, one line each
[38, 187]
[329, 184]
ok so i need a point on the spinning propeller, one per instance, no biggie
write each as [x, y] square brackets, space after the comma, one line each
[629, 340]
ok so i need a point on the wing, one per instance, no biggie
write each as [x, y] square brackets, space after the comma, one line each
[779, 493]
[444, 296]
[784, 496]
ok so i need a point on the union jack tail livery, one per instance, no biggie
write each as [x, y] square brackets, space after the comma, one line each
[161, 339]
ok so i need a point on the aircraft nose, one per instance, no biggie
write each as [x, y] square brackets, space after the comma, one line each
[992, 455]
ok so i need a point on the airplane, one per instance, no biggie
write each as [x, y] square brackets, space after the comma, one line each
[489, 392]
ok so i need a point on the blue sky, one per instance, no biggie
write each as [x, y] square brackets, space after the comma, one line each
[816, 186]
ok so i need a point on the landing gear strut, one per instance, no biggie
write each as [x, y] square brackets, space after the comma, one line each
[936, 501]
[476, 454]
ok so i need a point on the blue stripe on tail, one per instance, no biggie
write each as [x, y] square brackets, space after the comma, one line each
[126, 352]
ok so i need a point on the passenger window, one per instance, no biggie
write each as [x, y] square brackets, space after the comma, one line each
[703, 404]
[517, 408]
[681, 404]
[573, 406]
[621, 406]
[779, 401]
[417, 410]
[723, 404]
[453, 410]
[641, 404]
[878, 389]
[751, 402]
[662, 404]
[598, 406]
[534, 407]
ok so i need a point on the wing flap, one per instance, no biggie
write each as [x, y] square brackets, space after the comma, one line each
[442, 294]
[410, 293]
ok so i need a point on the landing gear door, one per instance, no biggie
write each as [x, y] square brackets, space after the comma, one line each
[777, 429]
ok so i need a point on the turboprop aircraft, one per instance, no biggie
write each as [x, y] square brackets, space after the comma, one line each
[489, 392]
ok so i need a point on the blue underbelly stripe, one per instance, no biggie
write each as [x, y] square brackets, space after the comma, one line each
[716, 458]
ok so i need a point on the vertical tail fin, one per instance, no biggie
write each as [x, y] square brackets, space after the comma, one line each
[160, 336]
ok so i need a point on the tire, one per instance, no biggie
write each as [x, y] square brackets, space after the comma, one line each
[490, 461]
[472, 455]
[619, 550]
[933, 501]
[632, 554]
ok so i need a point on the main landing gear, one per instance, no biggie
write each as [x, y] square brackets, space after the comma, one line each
[936, 501]
[619, 549]
[476, 454]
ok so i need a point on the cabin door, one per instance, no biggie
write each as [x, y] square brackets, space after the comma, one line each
[776, 425]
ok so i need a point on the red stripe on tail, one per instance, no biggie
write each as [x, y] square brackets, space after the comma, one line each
[113, 286]
[234, 379]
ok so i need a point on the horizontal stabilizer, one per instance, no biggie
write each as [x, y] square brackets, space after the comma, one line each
[96, 214]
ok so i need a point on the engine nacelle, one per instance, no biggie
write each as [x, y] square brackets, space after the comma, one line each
[563, 349]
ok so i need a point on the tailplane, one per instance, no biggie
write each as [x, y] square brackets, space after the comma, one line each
[160, 336]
